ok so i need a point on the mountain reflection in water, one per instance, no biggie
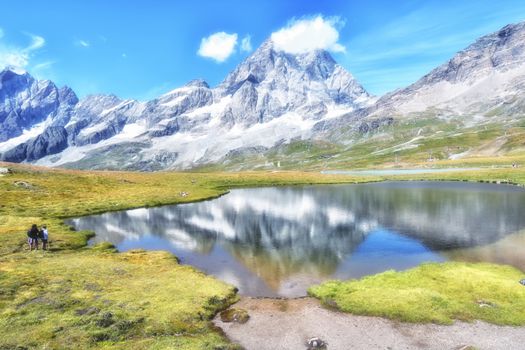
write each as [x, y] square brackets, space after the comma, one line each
[279, 241]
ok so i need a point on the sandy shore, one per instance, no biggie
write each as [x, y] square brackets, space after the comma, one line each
[288, 323]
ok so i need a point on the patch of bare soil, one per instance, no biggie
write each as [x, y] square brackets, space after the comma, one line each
[290, 323]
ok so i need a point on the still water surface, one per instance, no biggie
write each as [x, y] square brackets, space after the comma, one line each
[278, 241]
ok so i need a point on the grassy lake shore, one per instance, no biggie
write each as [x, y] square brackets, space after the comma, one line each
[94, 297]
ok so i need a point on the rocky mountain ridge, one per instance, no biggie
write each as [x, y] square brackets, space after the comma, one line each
[272, 98]
[267, 86]
[484, 74]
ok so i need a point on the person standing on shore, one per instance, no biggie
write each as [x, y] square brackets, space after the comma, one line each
[32, 237]
[44, 237]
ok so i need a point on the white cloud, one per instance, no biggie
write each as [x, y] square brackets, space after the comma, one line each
[36, 42]
[246, 43]
[82, 43]
[218, 46]
[310, 34]
[43, 65]
[19, 57]
[43, 70]
[13, 58]
[1, 33]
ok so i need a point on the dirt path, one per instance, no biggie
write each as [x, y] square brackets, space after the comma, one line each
[287, 324]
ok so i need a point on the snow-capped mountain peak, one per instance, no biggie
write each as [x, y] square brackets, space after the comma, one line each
[271, 82]
[26, 102]
[270, 99]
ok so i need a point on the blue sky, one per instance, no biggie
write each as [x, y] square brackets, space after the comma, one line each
[141, 49]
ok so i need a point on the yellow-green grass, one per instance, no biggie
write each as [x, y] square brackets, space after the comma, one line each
[496, 175]
[438, 293]
[96, 298]
[41, 293]
[490, 144]
[62, 193]
[40, 195]
[62, 298]
[13, 237]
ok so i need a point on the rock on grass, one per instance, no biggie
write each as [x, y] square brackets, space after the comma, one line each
[235, 315]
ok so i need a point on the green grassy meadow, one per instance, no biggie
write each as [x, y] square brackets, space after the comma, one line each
[97, 298]
[438, 293]
[422, 141]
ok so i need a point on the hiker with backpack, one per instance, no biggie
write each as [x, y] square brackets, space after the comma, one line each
[32, 237]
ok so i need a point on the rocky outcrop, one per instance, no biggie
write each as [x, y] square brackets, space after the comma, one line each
[485, 73]
[271, 83]
[371, 125]
[268, 85]
[191, 96]
[25, 101]
[51, 141]
[272, 98]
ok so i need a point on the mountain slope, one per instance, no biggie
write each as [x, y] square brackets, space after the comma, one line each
[32, 115]
[270, 98]
[489, 72]
[271, 83]
[471, 106]
[300, 110]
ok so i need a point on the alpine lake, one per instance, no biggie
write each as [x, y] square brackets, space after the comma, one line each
[278, 241]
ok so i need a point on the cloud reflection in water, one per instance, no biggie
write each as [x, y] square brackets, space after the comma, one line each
[279, 241]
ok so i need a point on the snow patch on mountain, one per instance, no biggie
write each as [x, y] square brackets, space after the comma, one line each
[26, 135]
[461, 95]
[271, 99]
[482, 75]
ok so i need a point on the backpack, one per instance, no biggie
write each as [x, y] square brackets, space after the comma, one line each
[32, 234]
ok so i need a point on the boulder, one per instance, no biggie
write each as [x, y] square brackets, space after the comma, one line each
[315, 343]
[235, 315]
[24, 184]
